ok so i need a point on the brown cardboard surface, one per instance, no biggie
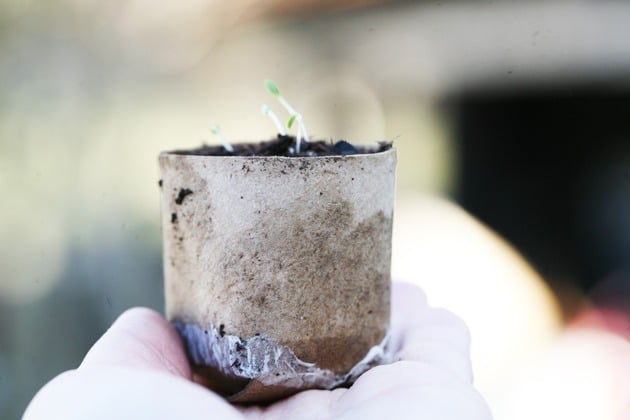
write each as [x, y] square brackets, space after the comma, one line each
[297, 249]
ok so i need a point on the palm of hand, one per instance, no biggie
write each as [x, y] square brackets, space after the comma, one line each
[138, 369]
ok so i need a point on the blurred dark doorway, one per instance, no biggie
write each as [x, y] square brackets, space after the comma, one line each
[549, 169]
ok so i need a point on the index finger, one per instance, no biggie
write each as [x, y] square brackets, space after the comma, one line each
[431, 335]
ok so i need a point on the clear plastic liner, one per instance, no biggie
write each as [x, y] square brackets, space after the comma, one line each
[270, 363]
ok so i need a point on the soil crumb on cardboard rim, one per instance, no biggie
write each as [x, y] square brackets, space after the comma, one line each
[183, 193]
[285, 146]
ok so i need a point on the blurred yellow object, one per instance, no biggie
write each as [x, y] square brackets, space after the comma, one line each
[468, 269]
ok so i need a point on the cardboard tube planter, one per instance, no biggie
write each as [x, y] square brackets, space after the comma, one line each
[277, 269]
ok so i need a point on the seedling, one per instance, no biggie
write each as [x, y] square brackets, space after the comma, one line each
[267, 111]
[217, 132]
[301, 134]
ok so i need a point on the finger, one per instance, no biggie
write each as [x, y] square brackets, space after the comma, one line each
[409, 389]
[429, 335]
[409, 303]
[140, 338]
[123, 393]
[440, 339]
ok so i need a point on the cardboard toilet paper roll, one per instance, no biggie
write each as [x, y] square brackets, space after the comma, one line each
[277, 269]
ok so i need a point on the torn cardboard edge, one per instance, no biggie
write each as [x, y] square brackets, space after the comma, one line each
[268, 370]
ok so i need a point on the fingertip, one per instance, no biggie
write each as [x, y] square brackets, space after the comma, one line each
[141, 319]
[408, 305]
[141, 312]
[434, 336]
[140, 338]
[447, 321]
[442, 339]
[405, 293]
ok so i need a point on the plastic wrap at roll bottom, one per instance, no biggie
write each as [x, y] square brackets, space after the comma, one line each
[262, 370]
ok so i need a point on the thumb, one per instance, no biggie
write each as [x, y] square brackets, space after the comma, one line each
[140, 338]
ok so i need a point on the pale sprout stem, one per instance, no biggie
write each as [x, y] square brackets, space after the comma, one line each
[267, 111]
[278, 124]
[226, 144]
[298, 116]
[303, 127]
[287, 106]
[298, 139]
[302, 134]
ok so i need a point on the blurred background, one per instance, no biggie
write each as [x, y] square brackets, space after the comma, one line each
[517, 111]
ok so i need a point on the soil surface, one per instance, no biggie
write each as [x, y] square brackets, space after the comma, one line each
[285, 146]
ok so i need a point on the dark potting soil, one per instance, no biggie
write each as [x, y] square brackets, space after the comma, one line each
[285, 146]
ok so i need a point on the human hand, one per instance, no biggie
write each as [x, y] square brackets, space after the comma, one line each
[138, 369]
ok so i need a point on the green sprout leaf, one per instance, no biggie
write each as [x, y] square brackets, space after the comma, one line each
[215, 129]
[294, 115]
[271, 87]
